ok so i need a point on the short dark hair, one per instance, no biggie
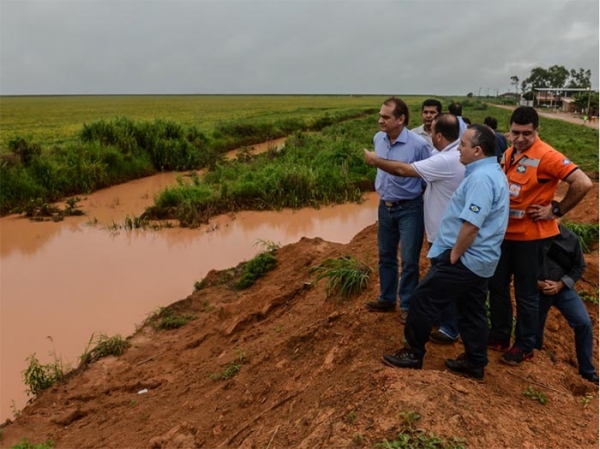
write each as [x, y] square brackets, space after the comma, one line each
[400, 108]
[432, 102]
[447, 125]
[491, 122]
[524, 115]
[455, 109]
[485, 138]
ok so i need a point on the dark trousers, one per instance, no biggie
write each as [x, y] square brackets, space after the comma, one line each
[445, 284]
[524, 261]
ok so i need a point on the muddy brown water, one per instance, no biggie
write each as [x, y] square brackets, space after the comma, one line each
[62, 282]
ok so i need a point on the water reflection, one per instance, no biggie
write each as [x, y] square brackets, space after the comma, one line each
[68, 280]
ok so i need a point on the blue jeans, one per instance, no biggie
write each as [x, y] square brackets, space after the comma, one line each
[572, 308]
[399, 225]
[446, 284]
[523, 259]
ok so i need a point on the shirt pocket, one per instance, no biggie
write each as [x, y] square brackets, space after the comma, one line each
[518, 184]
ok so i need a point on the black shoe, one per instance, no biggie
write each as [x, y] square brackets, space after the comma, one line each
[403, 359]
[593, 378]
[380, 306]
[440, 337]
[461, 365]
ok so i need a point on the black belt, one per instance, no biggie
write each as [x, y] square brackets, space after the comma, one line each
[396, 203]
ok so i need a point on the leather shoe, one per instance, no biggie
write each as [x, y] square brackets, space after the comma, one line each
[380, 306]
[593, 378]
[403, 359]
[461, 365]
[440, 337]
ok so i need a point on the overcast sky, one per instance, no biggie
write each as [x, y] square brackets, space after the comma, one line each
[439, 47]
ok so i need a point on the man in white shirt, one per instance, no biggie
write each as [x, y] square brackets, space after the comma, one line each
[429, 110]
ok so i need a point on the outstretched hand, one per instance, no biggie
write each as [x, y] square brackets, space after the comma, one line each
[370, 156]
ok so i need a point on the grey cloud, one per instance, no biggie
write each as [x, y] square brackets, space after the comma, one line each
[291, 46]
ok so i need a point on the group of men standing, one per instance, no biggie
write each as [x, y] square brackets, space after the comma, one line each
[488, 217]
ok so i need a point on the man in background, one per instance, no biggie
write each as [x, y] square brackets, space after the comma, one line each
[563, 266]
[501, 143]
[456, 110]
[429, 110]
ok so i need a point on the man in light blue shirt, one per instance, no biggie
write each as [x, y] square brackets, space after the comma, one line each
[400, 214]
[463, 257]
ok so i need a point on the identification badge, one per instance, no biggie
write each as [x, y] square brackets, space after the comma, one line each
[514, 189]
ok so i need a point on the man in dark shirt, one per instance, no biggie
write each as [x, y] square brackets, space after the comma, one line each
[563, 266]
[501, 143]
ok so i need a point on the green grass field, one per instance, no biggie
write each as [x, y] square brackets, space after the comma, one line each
[54, 120]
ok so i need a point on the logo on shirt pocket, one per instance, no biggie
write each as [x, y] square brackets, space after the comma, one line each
[521, 169]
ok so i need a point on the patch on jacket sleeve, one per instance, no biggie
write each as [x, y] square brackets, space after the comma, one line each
[474, 208]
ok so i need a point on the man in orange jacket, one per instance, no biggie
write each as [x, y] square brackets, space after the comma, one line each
[533, 169]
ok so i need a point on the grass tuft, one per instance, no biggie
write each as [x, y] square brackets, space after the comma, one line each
[166, 319]
[411, 437]
[345, 276]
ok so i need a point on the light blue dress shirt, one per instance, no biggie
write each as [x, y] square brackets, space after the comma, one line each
[482, 200]
[409, 148]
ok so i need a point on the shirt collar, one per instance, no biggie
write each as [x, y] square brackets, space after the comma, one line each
[485, 161]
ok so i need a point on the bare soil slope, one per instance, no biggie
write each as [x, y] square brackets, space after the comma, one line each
[311, 375]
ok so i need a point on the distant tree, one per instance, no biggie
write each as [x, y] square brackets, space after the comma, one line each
[581, 79]
[583, 99]
[553, 78]
[470, 95]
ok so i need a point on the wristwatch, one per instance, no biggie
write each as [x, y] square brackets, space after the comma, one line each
[556, 209]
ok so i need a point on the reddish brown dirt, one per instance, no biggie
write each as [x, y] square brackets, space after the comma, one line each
[311, 376]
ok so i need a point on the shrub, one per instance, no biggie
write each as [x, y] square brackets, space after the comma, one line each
[255, 268]
[38, 377]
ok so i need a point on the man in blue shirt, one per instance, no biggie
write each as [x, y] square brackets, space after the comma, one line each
[400, 214]
[463, 257]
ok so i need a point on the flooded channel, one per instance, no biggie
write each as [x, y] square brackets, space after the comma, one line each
[62, 282]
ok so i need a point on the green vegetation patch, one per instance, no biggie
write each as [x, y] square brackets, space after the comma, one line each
[345, 276]
[412, 437]
[587, 233]
[167, 318]
[104, 346]
[38, 377]
[26, 444]
[256, 268]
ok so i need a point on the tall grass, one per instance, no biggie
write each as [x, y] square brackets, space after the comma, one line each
[311, 170]
[109, 152]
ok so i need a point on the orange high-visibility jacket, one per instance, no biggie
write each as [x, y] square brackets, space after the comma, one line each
[532, 179]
